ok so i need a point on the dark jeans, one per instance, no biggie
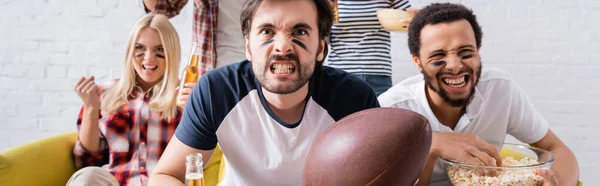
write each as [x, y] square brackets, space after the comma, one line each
[380, 84]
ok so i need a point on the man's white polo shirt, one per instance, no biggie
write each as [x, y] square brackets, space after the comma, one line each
[499, 107]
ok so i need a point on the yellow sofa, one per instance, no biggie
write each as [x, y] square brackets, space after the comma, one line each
[50, 162]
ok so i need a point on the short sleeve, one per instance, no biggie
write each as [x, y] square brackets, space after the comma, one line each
[196, 128]
[525, 122]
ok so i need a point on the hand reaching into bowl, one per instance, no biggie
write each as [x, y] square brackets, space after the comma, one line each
[467, 148]
[521, 165]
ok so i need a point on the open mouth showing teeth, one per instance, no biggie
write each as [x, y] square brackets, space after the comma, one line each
[456, 82]
[282, 68]
[149, 67]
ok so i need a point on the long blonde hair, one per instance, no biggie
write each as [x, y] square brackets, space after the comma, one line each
[163, 93]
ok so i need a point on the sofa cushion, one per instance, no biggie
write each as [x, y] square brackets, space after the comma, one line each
[43, 162]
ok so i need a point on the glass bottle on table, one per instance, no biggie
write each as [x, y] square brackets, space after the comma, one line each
[194, 175]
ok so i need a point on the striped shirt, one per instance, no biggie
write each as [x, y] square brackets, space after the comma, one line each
[359, 44]
[131, 140]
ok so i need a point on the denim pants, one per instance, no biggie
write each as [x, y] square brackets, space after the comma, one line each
[380, 84]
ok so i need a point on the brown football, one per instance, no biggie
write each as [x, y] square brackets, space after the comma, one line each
[380, 146]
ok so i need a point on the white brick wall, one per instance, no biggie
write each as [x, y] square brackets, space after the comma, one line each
[549, 46]
[47, 45]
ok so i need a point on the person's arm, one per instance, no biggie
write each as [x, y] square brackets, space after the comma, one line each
[404, 5]
[527, 125]
[90, 148]
[89, 134]
[461, 147]
[196, 132]
[427, 169]
[565, 165]
[171, 8]
[205, 29]
[170, 169]
[149, 5]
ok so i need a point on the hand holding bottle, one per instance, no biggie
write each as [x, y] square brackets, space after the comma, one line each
[189, 77]
[183, 93]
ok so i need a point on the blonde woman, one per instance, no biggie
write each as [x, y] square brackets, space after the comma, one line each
[125, 125]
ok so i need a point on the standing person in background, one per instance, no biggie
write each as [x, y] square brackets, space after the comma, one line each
[125, 125]
[216, 28]
[360, 45]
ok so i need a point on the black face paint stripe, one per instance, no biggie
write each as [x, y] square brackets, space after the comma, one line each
[267, 43]
[299, 43]
[157, 55]
[439, 63]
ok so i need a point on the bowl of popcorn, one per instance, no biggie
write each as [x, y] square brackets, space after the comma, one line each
[519, 163]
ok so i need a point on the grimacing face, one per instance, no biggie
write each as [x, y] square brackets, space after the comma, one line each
[149, 57]
[283, 44]
[449, 61]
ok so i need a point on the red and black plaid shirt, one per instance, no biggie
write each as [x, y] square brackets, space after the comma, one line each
[131, 140]
[205, 27]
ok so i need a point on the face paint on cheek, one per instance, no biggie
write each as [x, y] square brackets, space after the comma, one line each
[160, 56]
[267, 43]
[438, 63]
[299, 43]
[139, 55]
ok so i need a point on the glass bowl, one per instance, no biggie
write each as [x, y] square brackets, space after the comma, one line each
[518, 168]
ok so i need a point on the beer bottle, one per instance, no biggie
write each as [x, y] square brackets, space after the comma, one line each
[190, 72]
[194, 175]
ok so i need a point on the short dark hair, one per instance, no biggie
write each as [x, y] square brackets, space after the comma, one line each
[440, 13]
[324, 16]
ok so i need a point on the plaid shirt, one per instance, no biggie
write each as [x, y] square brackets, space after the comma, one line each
[131, 140]
[205, 27]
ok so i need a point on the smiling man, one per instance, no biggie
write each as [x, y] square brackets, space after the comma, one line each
[470, 108]
[266, 112]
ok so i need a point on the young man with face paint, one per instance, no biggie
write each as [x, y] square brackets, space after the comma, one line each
[266, 112]
[471, 109]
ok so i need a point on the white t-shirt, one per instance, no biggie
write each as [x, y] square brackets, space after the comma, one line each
[227, 107]
[499, 107]
[230, 42]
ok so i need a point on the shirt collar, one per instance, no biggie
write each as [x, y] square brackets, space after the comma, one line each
[138, 91]
[472, 111]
